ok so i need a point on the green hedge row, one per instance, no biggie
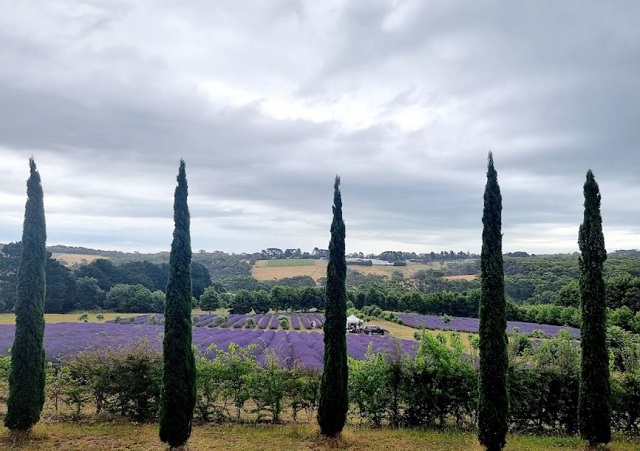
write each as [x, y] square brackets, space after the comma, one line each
[436, 388]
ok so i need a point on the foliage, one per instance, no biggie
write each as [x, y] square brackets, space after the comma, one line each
[27, 377]
[123, 298]
[179, 368]
[493, 401]
[209, 300]
[334, 396]
[594, 408]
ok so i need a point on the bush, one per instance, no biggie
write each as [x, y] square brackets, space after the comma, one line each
[283, 322]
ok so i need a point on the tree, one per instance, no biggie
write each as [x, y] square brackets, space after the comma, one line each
[493, 404]
[594, 408]
[27, 377]
[209, 300]
[89, 296]
[334, 396]
[178, 396]
[242, 302]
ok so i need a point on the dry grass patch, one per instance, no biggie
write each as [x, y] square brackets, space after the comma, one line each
[76, 259]
[132, 437]
[462, 277]
[263, 272]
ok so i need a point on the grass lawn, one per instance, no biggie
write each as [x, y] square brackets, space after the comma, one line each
[107, 436]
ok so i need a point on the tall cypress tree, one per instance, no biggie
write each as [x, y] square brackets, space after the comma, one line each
[27, 377]
[179, 376]
[334, 397]
[594, 410]
[493, 403]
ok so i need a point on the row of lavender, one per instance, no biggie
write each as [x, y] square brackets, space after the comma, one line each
[297, 321]
[471, 325]
[62, 340]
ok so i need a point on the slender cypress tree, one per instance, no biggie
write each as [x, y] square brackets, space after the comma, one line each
[179, 376]
[334, 397]
[493, 403]
[27, 377]
[594, 409]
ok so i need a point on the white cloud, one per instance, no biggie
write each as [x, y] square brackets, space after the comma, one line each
[267, 101]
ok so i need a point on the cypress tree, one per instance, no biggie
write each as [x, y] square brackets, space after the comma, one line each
[594, 409]
[27, 377]
[334, 397]
[179, 371]
[493, 402]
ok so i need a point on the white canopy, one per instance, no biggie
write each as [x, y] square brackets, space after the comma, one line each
[353, 319]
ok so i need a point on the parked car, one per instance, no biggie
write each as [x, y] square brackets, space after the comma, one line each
[371, 329]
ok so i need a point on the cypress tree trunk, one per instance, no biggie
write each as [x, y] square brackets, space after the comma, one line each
[493, 403]
[179, 376]
[334, 397]
[27, 377]
[594, 409]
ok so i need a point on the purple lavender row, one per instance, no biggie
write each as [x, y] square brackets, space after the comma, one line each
[65, 339]
[264, 322]
[274, 321]
[306, 322]
[205, 320]
[295, 322]
[471, 325]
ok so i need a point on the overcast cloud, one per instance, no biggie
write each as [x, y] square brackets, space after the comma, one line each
[268, 100]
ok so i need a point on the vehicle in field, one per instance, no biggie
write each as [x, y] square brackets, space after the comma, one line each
[372, 329]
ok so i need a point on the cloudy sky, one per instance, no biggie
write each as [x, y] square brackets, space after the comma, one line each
[268, 100]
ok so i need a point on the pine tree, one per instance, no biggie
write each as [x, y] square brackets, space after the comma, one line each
[334, 397]
[179, 375]
[594, 410]
[27, 377]
[493, 403]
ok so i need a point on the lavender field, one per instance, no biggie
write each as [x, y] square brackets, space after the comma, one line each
[65, 339]
[471, 325]
[306, 321]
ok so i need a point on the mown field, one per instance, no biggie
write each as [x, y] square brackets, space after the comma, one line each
[279, 269]
[76, 259]
[267, 437]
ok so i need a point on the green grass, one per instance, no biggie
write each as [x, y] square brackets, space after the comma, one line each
[291, 262]
[129, 436]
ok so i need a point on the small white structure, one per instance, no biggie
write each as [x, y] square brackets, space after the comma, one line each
[354, 322]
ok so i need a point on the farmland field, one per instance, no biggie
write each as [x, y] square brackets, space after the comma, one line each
[290, 262]
[49, 318]
[303, 342]
[270, 269]
[315, 269]
[75, 259]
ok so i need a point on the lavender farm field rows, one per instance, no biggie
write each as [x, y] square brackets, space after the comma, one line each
[264, 322]
[66, 339]
[471, 325]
